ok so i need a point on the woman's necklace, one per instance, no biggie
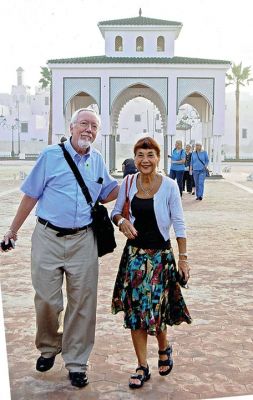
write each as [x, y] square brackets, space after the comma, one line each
[151, 187]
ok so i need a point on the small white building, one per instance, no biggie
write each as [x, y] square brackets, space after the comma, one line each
[139, 61]
[245, 126]
[24, 118]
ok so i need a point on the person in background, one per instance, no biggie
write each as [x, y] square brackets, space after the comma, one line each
[146, 287]
[193, 183]
[177, 164]
[188, 179]
[198, 168]
[128, 167]
[63, 243]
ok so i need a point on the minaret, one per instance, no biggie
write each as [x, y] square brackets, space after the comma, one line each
[20, 76]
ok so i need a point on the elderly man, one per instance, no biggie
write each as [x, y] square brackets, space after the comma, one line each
[63, 243]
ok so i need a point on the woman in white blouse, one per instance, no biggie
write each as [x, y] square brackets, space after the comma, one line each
[147, 286]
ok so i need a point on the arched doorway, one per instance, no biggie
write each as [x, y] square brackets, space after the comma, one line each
[196, 110]
[139, 117]
[81, 100]
[189, 126]
[142, 104]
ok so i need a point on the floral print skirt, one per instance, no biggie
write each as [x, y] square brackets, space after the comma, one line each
[146, 289]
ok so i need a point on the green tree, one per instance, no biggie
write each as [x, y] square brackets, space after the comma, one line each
[239, 76]
[46, 82]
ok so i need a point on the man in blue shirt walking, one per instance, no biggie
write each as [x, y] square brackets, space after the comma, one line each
[63, 243]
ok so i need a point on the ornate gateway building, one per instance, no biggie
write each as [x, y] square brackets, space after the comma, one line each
[139, 61]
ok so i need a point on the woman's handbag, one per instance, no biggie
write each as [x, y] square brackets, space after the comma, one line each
[101, 224]
[126, 206]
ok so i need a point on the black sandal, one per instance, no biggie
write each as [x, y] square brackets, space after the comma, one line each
[142, 378]
[166, 363]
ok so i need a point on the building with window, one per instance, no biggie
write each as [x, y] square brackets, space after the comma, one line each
[23, 118]
[245, 126]
[139, 62]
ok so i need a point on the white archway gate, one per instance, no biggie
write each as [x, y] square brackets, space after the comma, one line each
[139, 51]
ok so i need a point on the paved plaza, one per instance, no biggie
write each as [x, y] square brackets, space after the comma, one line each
[213, 357]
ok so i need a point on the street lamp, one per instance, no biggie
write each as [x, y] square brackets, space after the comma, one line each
[2, 120]
[184, 126]
[15, 125]
[190, 118]
[17, 119]
[12, 141]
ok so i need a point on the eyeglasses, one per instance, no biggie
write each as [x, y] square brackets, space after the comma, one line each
[86, 124]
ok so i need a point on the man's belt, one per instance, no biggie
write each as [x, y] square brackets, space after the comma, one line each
[62, 231]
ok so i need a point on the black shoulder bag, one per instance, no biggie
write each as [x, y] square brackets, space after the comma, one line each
[101, 224]
[206, 169]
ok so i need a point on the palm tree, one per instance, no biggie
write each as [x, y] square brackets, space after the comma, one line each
[239, 77]
[46, 82]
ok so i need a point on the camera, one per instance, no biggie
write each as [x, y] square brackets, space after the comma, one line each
[181, 280]
[9, 245]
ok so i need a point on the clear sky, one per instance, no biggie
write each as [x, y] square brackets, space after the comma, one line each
[33, 31]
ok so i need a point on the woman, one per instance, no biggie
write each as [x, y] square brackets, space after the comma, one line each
[198, 168]
[187, 177]
[146, 287]
[177, 164]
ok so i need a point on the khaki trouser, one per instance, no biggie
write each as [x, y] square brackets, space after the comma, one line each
[76, 256]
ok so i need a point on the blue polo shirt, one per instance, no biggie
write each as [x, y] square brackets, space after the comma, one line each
[52, 182]
[177, 155]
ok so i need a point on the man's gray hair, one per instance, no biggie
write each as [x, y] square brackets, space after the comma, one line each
[199, 143]
[77, 112]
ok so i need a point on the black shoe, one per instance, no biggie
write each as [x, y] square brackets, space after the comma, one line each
[44, 364]
[78, 379]
[140, 377]
[200, 198]
[193, 193]
[167, 363]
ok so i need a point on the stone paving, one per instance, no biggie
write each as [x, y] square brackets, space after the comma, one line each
[213, 357]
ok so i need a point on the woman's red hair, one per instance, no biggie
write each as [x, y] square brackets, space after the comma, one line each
[147, 143]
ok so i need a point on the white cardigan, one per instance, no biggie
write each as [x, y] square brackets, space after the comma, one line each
[167, 206]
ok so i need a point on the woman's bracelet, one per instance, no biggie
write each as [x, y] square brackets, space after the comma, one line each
[120, 222]
[12, 231]
[183, 254]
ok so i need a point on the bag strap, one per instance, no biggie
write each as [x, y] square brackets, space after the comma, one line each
[77, 174]
[201, 160]
[126, 189]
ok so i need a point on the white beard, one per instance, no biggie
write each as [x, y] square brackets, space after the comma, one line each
[83, 144]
